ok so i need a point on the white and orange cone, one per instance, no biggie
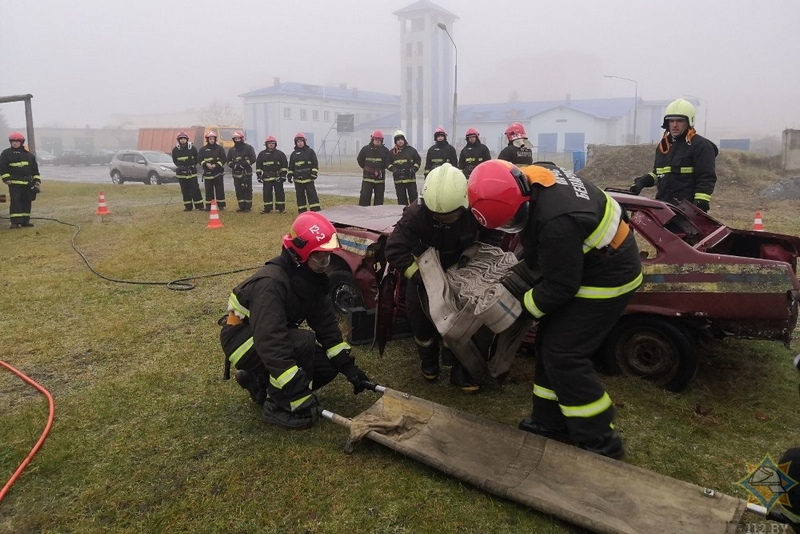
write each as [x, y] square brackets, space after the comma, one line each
[102, 208]
[213, 216]
[758, 224]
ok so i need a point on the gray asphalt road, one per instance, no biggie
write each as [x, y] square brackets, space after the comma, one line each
[327, 184]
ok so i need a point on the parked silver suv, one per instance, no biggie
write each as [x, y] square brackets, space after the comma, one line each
[148, 166]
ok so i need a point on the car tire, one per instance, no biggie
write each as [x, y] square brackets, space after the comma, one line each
[344, 291]
[117, 178]
[656, 349]
[153, 179]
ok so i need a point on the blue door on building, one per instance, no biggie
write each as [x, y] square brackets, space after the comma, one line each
[574, 142]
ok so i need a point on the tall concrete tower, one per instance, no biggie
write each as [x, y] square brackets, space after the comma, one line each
[427, 72]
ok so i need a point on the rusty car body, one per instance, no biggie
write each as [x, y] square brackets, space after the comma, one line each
[702, 279]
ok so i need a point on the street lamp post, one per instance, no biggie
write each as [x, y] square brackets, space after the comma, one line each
[705, 111]
[443, 26]
[635, 100]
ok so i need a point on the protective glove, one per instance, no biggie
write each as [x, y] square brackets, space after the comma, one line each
[313, 176]
[520, 280]
[703, 205]
[281, 179]
[635, 189]
[289, 178]
[357, 377]
[36, 187]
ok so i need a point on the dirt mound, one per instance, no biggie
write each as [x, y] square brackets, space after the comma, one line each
[739, 172]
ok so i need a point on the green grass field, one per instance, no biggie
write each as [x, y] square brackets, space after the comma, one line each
[149, 438]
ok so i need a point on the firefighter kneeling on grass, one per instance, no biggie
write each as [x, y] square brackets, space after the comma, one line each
[576, 237]
[278, 363]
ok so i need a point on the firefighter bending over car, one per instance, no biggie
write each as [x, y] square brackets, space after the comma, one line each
[685, 163]
[271, 169]
[279, 363]
[576, 237]
[19, 170]
[212, 159]
[439, 219]
[184, 156]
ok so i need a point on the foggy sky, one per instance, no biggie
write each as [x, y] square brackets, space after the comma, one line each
[84, 60]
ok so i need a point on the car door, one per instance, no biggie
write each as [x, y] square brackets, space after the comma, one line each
[126, 165]
[139, 171]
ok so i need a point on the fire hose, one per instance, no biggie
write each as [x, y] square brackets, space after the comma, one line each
[45, 432]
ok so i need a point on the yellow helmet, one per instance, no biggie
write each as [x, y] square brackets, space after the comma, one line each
[679, 109]
[445, 190]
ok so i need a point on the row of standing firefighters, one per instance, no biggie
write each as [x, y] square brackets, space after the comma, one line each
[403, 161]
[272, 169]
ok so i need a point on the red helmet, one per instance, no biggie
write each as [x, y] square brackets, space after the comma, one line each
[311, 232]
[270, 139]
[377, 134]
[16, 136]
[473, 131]
[498, 194]
[438, 131]
[211, 133]
[182, 134]
[299, 135]
[515, 131]
[238, 134]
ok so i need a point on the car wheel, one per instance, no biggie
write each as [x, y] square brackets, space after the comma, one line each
[153, 179]
[344, 291]
[116, 177]
[656, 349]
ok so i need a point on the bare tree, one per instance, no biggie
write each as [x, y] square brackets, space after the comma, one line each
[222, 114]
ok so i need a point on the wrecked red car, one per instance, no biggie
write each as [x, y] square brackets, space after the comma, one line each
[702, 279]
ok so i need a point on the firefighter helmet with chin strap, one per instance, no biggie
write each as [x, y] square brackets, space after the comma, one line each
[270, 139]
[238, 134]
[377, 134]
[299, 136]
[182, 135]
[515, 131]
[679, 109]
[310, 232]
[445, 190]
[16, 136]
[472, 131]
[499, 194]
[440, 131]
[398, 134]
[211, 133]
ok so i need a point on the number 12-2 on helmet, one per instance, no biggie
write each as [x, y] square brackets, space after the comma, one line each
[311, 232]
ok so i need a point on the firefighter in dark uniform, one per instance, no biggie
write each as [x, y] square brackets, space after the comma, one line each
[518, 151]
[373, 159]
[241, 158]
[473, 154]
[271, 169]
[279, 363]
[440, 219]
[685, 166]
[575, 237]
[212, 159]
[19, 170]
[440, 152]
[404, 162]
[303, 170]
[184, 156]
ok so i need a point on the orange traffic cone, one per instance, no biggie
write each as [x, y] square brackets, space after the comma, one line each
[758, 224]
[102, 209]
[213, 216]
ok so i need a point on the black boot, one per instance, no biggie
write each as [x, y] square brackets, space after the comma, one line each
[253, 384]
[460, 378]
[448, 358]
[558, 433]
[298, 420]
[606, 444]
[429, 362]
